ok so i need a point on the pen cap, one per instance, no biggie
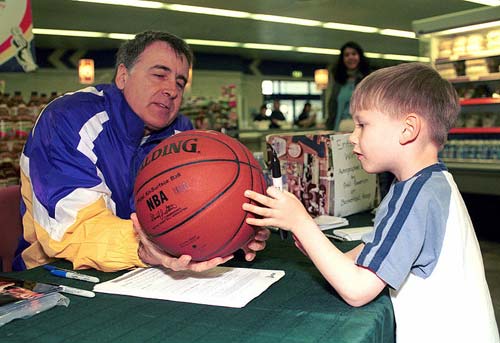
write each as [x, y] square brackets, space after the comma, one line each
[57, 272]
[269, 153]
[275, 166]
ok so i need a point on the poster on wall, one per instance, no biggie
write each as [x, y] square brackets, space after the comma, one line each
[16, 36]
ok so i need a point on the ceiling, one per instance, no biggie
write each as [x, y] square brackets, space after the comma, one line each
[393, 14]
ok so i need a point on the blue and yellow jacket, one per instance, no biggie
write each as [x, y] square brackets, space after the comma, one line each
[77, 177]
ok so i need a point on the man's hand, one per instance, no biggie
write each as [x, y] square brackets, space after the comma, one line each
[150, 254]
[257, 244]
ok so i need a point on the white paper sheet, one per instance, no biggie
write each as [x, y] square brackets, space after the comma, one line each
[351, 234]
[220, 286]
[330, 222]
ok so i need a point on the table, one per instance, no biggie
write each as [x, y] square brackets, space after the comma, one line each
[301, 307]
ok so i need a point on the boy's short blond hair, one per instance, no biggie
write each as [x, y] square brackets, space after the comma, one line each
[410, 88]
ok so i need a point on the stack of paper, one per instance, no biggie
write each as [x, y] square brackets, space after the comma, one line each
[219, 286]
[351, 234]
[330, 222]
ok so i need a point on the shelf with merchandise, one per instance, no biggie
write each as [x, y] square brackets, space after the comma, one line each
[464, 47]
[476, 70]
[464, 163]
[461, 50]
[470, 56]
[479, 101]
[211, 114]
[473, 145]
[491, 77]
[475, 130]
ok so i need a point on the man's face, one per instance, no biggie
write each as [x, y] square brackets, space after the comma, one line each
[154, 86]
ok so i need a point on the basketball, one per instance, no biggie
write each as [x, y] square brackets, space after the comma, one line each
[189, 193]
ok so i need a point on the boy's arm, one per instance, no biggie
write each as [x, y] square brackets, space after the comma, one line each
[356, 285]
[354, 252]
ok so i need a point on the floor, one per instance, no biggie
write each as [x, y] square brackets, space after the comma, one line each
[491, 259]
[483, 210]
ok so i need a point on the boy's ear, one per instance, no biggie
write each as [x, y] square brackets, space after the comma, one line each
[121, 76]
[412, 124]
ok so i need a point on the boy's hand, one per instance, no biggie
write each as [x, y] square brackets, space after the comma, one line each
[281, 209]
[151, 254]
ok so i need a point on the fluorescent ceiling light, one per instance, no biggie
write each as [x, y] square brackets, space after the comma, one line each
[373, 55]
[467, 28]
[206, 10]
[212, 43]
[318, 50]
[398, 33]
[405, 58]
[303, 49]
[267, 46]
[285, 20]
[255, 16]
[72, 33]
[485, 2]
[349, 27]
[122, 36]
[131, 3]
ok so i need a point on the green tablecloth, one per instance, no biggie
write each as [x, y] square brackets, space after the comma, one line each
[301, 307]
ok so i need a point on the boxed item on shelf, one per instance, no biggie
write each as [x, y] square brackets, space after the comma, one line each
[459, 45]
[476, 67]
[476, 149]
[445, 48]
[475, 42]
[446, 70]
[493, 40]
[321, 170]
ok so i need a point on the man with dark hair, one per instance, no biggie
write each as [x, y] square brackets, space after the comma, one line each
[79, 163]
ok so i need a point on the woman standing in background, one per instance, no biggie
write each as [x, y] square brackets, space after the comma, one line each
[352, 66]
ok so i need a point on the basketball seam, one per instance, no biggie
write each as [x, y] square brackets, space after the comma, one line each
[188, 164]
[252, 167]
[194, 214]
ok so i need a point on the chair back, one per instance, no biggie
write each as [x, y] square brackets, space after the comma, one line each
[10, 224]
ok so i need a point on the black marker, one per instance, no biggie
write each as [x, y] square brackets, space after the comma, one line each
[278, 183]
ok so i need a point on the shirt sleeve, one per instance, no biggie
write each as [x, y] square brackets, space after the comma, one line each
[408, 236]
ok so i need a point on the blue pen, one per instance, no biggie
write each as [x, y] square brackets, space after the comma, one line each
[69, 274]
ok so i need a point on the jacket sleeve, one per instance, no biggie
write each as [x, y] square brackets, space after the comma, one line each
[97, 239]
[72, 210]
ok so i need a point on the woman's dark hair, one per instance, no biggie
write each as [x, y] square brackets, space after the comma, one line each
[340, 71]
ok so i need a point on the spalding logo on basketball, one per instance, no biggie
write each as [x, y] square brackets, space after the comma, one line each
[189, 193]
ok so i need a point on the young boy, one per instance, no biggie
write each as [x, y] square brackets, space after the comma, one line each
[423, 246]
